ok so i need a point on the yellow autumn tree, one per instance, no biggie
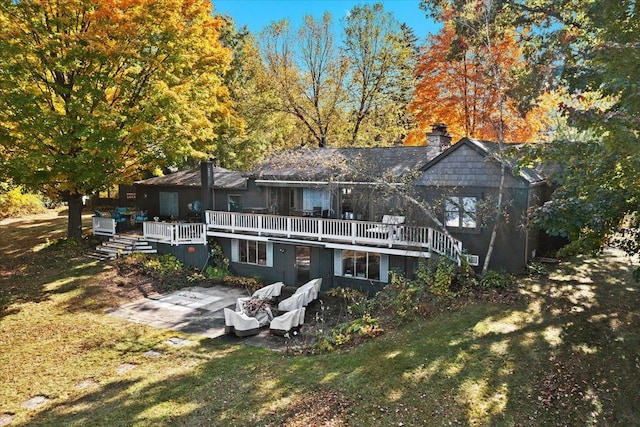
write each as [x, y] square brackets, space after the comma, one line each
[455, 86]
[95, 92]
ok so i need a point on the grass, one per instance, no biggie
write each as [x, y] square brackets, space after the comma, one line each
[570, 355]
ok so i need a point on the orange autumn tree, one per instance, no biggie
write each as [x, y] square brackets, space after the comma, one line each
[454, 86]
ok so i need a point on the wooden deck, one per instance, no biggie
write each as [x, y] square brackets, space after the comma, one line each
[338, 231]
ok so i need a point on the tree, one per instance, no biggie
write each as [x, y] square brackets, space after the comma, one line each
[92, 93]
[456, 86]
[598, 194]
[380, 54]
[595, 46]
[307, 73]
[263, 127]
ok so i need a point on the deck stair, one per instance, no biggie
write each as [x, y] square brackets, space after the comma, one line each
[122, 245]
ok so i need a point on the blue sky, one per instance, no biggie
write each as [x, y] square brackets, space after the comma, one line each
[256, 14]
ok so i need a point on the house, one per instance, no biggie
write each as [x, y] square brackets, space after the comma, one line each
[354, 215]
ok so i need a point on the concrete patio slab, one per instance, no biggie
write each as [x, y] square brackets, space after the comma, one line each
[194, 310]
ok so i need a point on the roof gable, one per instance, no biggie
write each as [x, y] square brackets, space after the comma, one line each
[488, 150]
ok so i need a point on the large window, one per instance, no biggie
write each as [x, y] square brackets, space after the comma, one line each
[312, 197]
[252, 252]
[460, 212]
[362, 265]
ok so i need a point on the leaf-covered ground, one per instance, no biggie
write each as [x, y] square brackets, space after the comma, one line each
[567, 353]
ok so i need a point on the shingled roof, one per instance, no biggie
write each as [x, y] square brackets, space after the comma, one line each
[344, 164]
[222, 179]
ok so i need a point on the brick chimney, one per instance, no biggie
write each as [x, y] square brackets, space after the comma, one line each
[438, 137]
[206, 179]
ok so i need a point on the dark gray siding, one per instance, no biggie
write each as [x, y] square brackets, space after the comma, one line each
[466, 167]
[466, 171]
[195, 257]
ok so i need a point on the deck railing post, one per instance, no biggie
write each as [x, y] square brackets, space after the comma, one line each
[353, 233]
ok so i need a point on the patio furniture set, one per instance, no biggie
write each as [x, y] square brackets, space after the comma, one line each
[255, 312]
[124, 217]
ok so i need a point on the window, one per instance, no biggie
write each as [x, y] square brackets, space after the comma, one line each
[362, 265]
[234, 203]
[252, 252]
[312, 197]
[169, 205]
[460, 212]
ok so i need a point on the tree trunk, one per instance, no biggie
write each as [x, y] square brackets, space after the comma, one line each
[494, 231]
[74, 224]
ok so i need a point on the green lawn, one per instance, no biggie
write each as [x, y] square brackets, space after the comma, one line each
[569, 356]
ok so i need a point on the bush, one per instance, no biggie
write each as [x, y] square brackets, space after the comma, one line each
[361, 328]
[497, 280]
[14, 202]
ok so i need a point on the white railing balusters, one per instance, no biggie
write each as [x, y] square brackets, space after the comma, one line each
[348, 231]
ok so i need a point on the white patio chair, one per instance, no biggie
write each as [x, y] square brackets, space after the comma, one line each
[286, 322]
[294, 302]
[311, 289]
[240, 324]
[266, 292]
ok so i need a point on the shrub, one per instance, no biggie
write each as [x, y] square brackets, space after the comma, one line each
[361, 328]
[15, 202]
[404, 297]
[497, 280]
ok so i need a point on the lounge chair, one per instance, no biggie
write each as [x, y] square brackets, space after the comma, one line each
[286, 322]
[240, 324]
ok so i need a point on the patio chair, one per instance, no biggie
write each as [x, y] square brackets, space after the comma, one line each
[240, 324]
[311, 289]
[286, 322]
[266, 292]
[294, 302]
[141, 216]
[390, 227]
[121, 221]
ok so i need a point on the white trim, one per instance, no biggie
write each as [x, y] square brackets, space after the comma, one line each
[337, 262]
[235, 250]
[293, 183]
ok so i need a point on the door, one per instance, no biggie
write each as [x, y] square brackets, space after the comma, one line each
[169, 205]
[303, 265]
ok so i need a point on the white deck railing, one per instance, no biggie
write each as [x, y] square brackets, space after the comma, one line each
[175, 233]
[104, 226]
[336, 230]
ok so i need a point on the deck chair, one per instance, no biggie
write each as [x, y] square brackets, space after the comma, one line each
[267, 292]
[240, 324]
[141, 217]
[121, 222]
[311, 289]
[284, 323]
[294, 302]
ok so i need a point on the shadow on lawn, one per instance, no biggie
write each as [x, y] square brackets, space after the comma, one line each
[569, 356]
[27, 266]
